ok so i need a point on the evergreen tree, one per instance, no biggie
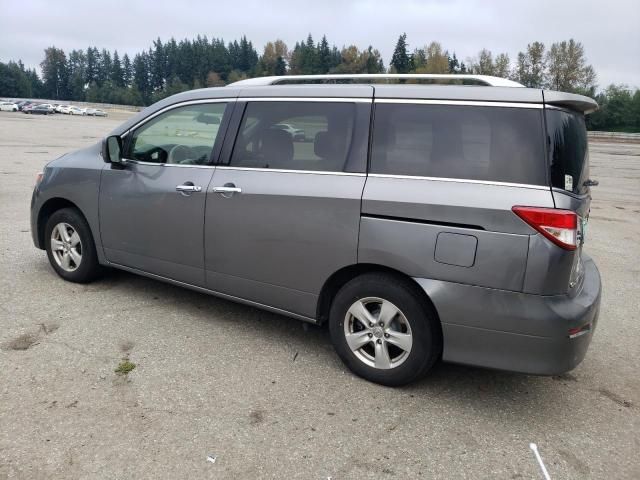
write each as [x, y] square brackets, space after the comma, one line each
[14, 80]
[141, 76]
[324, 60]
[77, 66]
[157, 65]
[309, 59]
[117, 72]
[234, 55]
[454, 64]
[106, 67]
[92, 73]
[247, 56]
[127, 70]
[281, 66]
[400, 61]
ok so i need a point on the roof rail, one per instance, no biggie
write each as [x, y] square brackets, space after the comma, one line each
[485, 80]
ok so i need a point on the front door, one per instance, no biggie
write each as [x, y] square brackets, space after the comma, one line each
[152, 206]
[284, 214]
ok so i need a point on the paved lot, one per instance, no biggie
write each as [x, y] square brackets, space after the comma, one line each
[268, 397]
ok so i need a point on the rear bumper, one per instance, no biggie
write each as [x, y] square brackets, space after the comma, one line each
[516, 331]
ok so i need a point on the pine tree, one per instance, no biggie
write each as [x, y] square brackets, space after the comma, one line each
[157, 65]
[324, 63]
[400, 60]
[127, 70]
[141, 75]
[117, 73]
[105, 69]
[281, 66]
[454, 64]
[310, 57]
[77, 66]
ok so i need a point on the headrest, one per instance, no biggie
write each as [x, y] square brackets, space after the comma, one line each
[277, 146]
[328, 146]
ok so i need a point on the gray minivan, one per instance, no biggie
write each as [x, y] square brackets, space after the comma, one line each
[420, 221]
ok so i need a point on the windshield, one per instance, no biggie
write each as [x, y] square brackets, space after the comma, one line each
[568, 151]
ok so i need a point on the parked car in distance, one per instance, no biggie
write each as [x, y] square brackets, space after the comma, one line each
[38, 110]
[73, 110]
[99, 113]
[50, 108]
[423, 222]
[61, 108]
[8, 107]
[21, 104]
[297, 134]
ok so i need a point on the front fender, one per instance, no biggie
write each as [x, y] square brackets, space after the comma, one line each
[72, 180]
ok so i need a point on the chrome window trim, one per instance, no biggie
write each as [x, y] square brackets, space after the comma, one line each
[472, 103]
[284, 170]
[174, 106]
[562, 109]
[140, 162]
[306, 99]
[462, 180]
[579, 196]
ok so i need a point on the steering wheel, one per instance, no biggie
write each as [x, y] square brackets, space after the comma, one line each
[180, 154]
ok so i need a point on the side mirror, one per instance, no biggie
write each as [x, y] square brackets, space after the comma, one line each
[112, 149]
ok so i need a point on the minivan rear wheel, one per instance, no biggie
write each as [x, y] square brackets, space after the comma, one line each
[70, 247]
[384, 330]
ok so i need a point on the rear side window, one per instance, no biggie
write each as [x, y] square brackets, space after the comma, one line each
[295, 136]
[454, 141]
[568, 152]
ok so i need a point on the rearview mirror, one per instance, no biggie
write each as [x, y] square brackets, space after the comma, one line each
[112, 149]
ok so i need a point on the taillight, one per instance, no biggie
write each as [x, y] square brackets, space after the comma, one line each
[559, 226]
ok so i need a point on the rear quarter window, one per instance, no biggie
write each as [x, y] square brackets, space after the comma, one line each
[568, 150]
[498, 144]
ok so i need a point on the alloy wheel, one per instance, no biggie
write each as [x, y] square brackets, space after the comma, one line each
[378, 333]
[66, 247]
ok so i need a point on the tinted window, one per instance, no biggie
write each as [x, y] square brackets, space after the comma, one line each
[568, 150]
[184, 135]
[452, 141]
[295, 136]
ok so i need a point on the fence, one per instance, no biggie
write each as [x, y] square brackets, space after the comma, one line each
[614, 136]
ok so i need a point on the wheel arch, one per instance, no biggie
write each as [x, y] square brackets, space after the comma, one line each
[47, 209]
[339, 278]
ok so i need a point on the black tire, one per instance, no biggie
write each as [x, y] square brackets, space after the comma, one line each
[424, 326]
[88, 268]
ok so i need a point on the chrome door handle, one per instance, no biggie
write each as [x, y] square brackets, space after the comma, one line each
[188, 188]
[226, 190]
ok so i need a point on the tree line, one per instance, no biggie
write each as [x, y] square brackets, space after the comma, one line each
[166, 68]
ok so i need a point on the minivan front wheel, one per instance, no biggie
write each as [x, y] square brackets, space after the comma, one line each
[384, 330]
[70, 248]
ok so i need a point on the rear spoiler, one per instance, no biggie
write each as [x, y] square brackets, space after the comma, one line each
[572, 101]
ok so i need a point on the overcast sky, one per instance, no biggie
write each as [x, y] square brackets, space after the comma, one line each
[608, 29]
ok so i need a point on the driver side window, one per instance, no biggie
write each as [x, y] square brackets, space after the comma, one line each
[184, 135]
